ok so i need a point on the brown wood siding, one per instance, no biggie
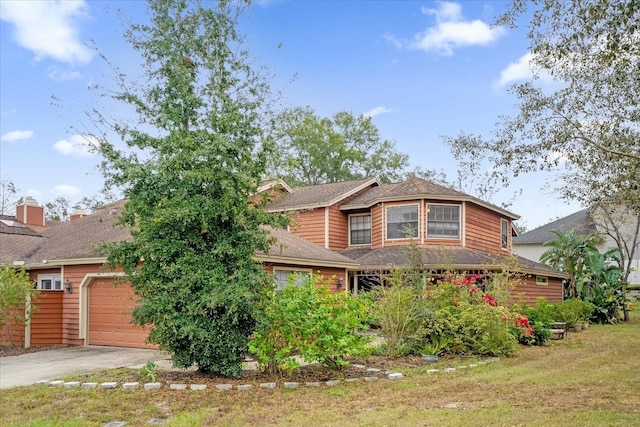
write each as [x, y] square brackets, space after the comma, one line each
[527, 290]
[309, 225]
[17, 331]
[338, 229]
[46, 321]
[71, 302]
[377, 226]
[483, 229]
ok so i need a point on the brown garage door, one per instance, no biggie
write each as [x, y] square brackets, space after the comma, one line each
[110, 316]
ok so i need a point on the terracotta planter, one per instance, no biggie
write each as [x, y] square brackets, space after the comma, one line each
[585, 325]
[578, 327]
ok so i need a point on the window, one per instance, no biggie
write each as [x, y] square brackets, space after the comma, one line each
[300, 277]
[504, 225]
[360, 230]
[443, 221]
[402, 221]
[542, 280]
[49, 282]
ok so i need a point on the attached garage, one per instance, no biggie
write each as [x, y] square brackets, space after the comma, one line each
[109, 317]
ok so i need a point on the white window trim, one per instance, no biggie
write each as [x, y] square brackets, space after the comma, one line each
[459, 222]
[53, 278]
[294, 270]
[386, 222]
[542, 280]
[506, 230]
[370, 232]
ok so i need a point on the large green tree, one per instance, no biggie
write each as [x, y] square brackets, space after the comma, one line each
[586, 126]
[310, 149]
[189, 170]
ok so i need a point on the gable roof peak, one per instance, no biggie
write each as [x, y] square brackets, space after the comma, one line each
[320, 195]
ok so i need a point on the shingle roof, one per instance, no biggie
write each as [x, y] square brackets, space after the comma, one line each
[291, 246]
[444, 257]
[580, 221]
[416, 188]
[80, 239]
[315, 196]
[11, 225]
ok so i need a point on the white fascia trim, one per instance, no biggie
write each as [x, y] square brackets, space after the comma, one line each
[434, 197]
[273, 184]
[83, 295]
[47, 263]
[302, 261]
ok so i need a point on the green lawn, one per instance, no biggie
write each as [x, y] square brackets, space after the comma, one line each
[592, 378]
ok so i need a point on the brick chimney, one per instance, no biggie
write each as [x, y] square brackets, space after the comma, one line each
[28, 212]
[77, 214]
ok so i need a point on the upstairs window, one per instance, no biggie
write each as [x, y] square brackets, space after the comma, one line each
[299, 277]
[402, 221]
[443, 221]
[49, 282]
[360, 230]
[504, 227]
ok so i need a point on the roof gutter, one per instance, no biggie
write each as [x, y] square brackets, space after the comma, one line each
[302, 261]
[432, 197]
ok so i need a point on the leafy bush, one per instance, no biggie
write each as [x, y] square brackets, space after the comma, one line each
[570, 311]
[467, 319]
[543, 312]
[312, 323]
[15, 290]
[481, 329]
[399, 312]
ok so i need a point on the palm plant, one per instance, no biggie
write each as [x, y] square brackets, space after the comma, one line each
[568, 253]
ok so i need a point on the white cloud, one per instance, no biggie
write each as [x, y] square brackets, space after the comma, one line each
[16, 135]
[77, 145]
[519, 70]
[48, 28]
[65, 190]
[523, 69]
[57, 75]
[451, 31]
[377, 111]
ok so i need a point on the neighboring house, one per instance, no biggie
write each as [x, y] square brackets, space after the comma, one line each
[373, 223]
[80, 301]
[349, 232]
[530, 245]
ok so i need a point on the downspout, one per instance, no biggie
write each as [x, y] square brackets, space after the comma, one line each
[27, 323]
[326, 227]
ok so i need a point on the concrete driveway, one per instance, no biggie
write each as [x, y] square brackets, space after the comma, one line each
[28, 368]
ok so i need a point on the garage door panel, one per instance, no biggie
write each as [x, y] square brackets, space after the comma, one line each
[110, 308]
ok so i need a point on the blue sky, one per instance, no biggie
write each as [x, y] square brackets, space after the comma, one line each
[421, 69]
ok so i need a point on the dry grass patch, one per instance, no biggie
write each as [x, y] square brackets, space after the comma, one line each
[591, 379]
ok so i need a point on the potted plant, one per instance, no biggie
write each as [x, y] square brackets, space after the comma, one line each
[432, 348]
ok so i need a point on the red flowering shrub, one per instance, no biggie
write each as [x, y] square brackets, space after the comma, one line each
[490, 300]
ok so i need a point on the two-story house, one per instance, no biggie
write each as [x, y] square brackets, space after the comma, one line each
[350, 232]
[373, 223]
[81, 302]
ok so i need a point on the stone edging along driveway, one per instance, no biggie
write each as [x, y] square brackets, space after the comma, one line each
[373, 374]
